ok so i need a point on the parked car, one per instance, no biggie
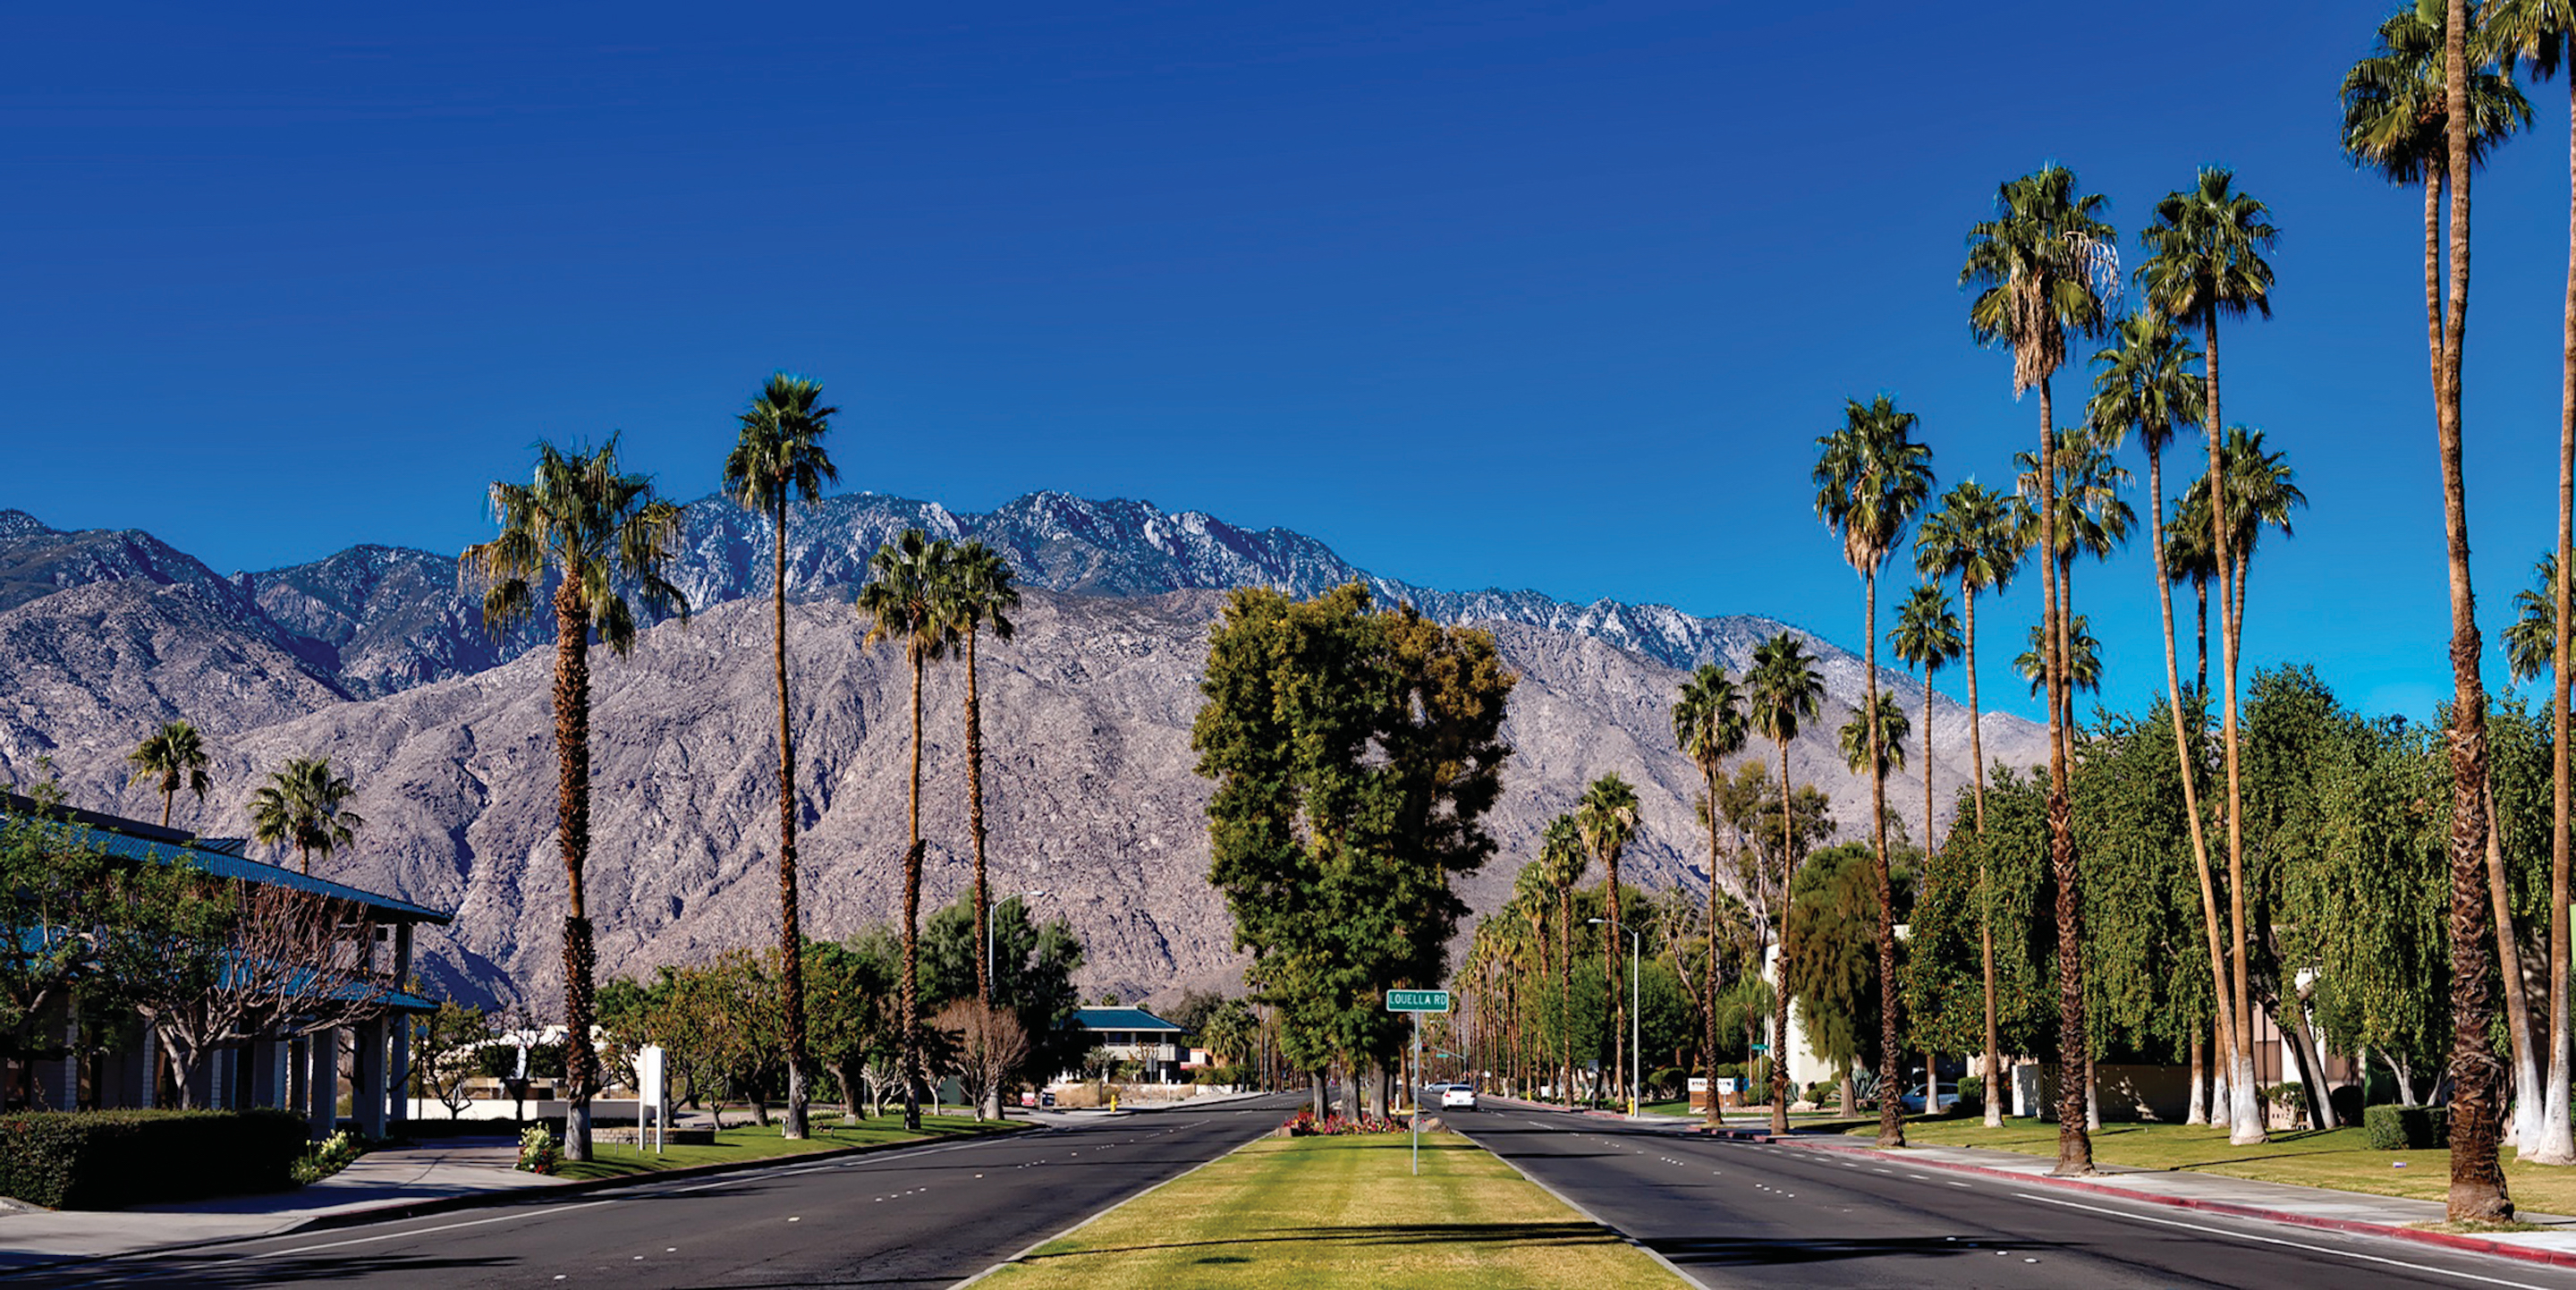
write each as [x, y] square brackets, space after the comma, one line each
[1946, 1095]
[1461, 1096]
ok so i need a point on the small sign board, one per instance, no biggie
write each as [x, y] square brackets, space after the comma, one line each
[1417, 1001]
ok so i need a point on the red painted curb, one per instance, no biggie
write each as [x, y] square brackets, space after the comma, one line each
[2450, 1240]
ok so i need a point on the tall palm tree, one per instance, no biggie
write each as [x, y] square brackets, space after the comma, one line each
[304, 805]
[778, 453]
[2262, 490]
[1782, 692]
[2424, 108]
[1607, 820]
[2079, 655]
[984, 594]
[1875, 748]
[912, 586]
[1709, 726]
[1562, 856]
[2530, 643]
[2531, 640]
[1971, 537]
[172, 757]
[2044, 266]
[2091, 520]
[2143, 381]
[599, 531]
[1926, 638]
[1872, 478]
[2535, 32]
[2205, 261]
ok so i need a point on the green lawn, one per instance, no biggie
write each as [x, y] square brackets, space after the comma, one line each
[2339, 1158]
[1343, 1211]
[752, 1142]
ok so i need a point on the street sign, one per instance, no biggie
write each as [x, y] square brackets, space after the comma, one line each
[1417, 1001]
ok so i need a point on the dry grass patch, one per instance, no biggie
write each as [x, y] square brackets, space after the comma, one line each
[754, 1142]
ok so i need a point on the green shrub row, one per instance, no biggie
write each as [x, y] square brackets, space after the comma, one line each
[112, 1159]
[2407, 1128]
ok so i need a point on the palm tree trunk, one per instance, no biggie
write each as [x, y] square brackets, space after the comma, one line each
[791, 936]
[1985, 894]
[975, 823]
[169, 791]
[2245, 1120]
[2189, 766]
[2477, 1190]
[1780, 983]
[913, 1073]
[2074, 1145]
[572, 807]
[1611, 963]
[2557, 1140]
[2200, 636]
[1708, 1047]
[1891, 1063]
[2198, 1109]
[2528, 1102]
[1565, 991]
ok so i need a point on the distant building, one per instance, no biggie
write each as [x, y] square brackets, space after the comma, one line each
[118, 1062]
[1134, 1035]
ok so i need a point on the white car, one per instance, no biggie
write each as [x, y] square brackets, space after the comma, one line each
[1458, 1095]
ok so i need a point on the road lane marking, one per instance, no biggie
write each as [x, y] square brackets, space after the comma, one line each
[2205, 1229]
[417, 1231]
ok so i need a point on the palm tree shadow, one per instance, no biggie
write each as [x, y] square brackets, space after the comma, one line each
[1724, 1251]
[1559, 1234]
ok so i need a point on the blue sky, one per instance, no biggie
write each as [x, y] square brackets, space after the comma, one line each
[1545, 295]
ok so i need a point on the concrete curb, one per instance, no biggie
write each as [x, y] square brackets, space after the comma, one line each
[2447, 1240]
[396, 1211]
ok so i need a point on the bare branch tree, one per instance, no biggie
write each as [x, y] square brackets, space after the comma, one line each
[986, 1045]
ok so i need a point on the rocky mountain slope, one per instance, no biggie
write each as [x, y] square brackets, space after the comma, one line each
[375, 658]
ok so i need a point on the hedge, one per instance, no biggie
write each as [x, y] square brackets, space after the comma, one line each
[2407, 1128]
[112, 1159]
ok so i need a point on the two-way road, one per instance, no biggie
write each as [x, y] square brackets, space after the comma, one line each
[1750, 1214]
[926, 1216]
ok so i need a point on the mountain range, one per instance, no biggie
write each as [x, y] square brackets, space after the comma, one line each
[376, 657]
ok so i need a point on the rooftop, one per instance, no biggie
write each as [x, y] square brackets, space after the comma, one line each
[139, 840]
[1119, 1019]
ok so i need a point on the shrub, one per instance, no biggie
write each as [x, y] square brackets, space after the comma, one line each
[1972, 1096]
[2407, 1128]
[111, 1159]
[1730, 1070]
[2345, 1099]
[1668, 1079]
[329, 1157]
[2289, 1096]
[539, 1151]
[1823, 1091]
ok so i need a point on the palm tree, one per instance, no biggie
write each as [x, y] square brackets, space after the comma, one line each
[1709, 726]
[1926, 638]
[303, 805]
[984, 591]
[1607, 820]
[2531, 639]
[778, 453]
[2091, 520]
[2143, 380]
[2400, 76]
[2533, 31]
[2079, 655]
[912, 586]
[599, 531]
[1783, 690]
[2530, 642]
[1875, 748]
[2044, 265]
[1562, 857]
[172, 757]
[1871, 479]
[1972, 538]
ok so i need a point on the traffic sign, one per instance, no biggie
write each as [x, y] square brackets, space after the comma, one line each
[1417, 1001]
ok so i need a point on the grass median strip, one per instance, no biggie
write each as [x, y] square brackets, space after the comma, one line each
[755, 1142]
[2337, 1158]
[1342, 1211]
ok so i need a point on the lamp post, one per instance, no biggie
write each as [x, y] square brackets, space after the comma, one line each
[1636, 1023]
[992, 966]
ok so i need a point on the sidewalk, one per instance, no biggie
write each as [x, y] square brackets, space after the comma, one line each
[377, 1180]
[2317, 1207]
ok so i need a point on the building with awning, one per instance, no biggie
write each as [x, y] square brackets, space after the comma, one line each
[1133, 1035]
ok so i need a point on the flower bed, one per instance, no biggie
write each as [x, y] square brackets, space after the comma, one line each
[1304, 1124]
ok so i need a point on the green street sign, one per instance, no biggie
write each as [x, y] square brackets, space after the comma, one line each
[1417, 1001]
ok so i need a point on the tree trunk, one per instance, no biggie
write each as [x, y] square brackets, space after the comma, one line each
[791, 937]
[2312, 1066]
[1891, 1059]
[572, 805]
[2556, 1142]
[2198, 1110]
[2074, 1145]
[2245, 1121]
[2477, 1191]
[2222, 1104]
[1780, 974]
[1985, 894]
[1565, 990]
[975, 822]
[1708, 1047]
[2528, 1101]
[1613, 965]
[913, 1073]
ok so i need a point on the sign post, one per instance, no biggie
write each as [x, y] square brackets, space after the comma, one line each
[650, 1093]
[1417, 1002]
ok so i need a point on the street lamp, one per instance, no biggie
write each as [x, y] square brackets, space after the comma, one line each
[992, 968]
[1636, 1023]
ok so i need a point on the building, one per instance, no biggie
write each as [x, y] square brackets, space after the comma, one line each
[120, 1062]
[1134, 1035]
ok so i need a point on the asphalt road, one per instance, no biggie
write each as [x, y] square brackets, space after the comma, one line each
[927, 1216]
[1747, 1214]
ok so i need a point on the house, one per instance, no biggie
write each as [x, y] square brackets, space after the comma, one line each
[1134, 1035]
[286, 1060]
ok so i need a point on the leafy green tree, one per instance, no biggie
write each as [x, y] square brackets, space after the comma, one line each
[1033, 973]
[171, 758]
[984, 594]
[1563, 861]
[910, 597]
[602, 534]
[448, 1044]
[304, 805]
[846, 1018]
[1784, 689]
[2043, 267]
[779, 454]
[1834, 912]
[1709, 724]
